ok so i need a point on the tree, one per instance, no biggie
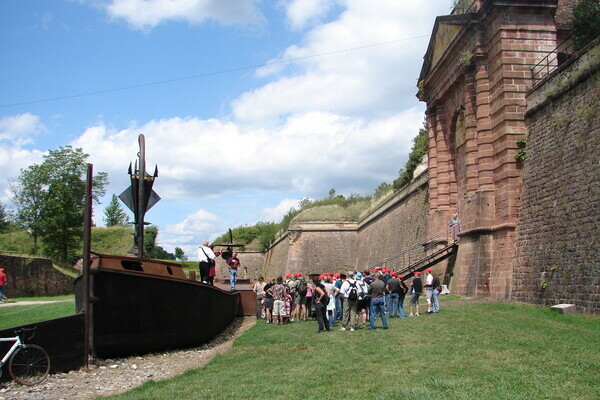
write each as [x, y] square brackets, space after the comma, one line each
[29, 195]
[4, 221]
[153, 250]
[179, 254]
[382, 189]
[586, 22]
[50, 199]
[114, 215]
[419, 149]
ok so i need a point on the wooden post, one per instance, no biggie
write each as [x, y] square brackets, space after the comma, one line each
[87, 236]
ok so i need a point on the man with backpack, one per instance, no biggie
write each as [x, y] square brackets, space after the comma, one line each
[349, 292]
[300, 298]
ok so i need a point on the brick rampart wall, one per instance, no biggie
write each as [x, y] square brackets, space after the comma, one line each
[29, 276]
[318, 247]
[558, 236]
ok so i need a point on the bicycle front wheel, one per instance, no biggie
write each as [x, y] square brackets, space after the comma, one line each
[29, 365]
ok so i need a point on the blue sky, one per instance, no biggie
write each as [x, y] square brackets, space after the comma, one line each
[246, 106]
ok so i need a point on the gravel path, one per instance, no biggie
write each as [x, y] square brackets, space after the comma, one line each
[109, 377]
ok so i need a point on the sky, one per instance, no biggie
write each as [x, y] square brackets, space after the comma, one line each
[247, 106]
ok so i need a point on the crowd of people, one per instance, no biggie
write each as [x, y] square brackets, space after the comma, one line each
[353, 299]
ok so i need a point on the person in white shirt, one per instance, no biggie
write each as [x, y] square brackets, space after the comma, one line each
[429, 290]
[349, 291]
[205, 257]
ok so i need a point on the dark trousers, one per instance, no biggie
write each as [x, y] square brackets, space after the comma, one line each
[203, 267]
[321, 311]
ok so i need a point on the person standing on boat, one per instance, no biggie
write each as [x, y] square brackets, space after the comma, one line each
[205, 260]
[212, 270]
[234, 263]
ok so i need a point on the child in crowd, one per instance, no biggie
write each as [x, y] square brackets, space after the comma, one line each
[288, 308]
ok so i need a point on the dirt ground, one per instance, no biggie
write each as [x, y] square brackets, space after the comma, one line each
[109, 377]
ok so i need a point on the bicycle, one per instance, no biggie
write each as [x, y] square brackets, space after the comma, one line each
[28, 364]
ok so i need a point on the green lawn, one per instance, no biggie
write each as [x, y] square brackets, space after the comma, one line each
[17, 315]
[469, 351]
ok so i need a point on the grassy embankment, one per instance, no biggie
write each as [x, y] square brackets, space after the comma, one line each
[17, 315]
[469, 351]
[114, 240]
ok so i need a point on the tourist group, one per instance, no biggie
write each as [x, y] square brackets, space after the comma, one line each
[352, 299]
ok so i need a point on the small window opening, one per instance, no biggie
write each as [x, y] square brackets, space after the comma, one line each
[132, 265]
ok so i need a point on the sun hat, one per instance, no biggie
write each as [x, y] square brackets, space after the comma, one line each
[358, 276]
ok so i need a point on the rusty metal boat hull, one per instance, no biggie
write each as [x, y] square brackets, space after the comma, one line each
[142, 306]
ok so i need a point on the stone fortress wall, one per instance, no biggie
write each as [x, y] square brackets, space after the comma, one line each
[317, 247]
[557, 255]
[33, 276]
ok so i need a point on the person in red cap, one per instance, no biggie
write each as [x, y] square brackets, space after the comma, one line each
[321, 301]
[3, 279]
[416, 287]
[429, 290]
[300, 298]
[393, 288]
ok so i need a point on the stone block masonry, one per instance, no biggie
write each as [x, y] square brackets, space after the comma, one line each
[558, 236]
[32, 276]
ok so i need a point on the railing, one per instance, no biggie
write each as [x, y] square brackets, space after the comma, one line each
[552, 61]
[419, 250]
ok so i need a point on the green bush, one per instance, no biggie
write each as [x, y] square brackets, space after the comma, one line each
[419, 149]
[586, 22]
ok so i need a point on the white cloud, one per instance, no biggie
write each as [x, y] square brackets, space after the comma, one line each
[198, 223]
[20, 129]
[17, 131]
[145, 14]
[274, 214]
[190, 232]
[372, 78]
[302, 12]
[308, 153]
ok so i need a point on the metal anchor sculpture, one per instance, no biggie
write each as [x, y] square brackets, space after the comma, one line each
[140, 189]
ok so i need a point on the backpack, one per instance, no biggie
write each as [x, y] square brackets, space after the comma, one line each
[353, 294]
[302, 287]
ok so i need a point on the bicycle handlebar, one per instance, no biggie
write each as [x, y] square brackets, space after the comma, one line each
[23, 331]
